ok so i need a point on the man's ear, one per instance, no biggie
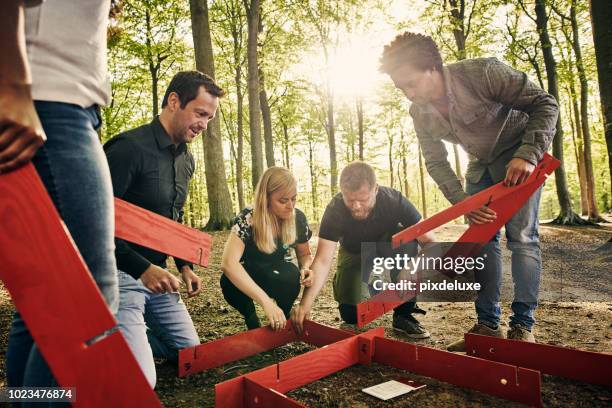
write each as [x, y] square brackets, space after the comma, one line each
[173, 101]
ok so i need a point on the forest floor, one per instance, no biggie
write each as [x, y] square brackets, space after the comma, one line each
[575, 311]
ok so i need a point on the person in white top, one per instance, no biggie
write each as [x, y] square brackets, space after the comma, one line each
[53, 79]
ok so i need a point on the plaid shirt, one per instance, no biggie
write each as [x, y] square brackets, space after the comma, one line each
[495, 114]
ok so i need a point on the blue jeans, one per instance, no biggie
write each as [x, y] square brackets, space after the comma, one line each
[524, 243]
[154, 325]
[73, 168]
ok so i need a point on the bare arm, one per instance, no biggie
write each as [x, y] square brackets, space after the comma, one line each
[21, 133]
[304, 258]
[320, 270]
[235, 272]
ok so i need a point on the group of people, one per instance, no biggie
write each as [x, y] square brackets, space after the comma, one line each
[52, 82]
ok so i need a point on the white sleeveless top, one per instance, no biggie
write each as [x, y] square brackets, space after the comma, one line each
[66, 46]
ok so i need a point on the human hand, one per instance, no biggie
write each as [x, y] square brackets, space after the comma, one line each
[275, 315]
[518, 171]
[482, 215]
[193, 281]
[298, 315]
[306, 277]
[158, 280]
[21, 132]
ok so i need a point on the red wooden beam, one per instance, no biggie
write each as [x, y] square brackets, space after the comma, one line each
[60, 302]
[498, 379]
[506, 201]
[295, 372]
[565, 362]
[258, 396]
[491, 196]
[143, 227]
[202, 357]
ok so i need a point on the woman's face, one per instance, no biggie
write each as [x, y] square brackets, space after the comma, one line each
[282, 202]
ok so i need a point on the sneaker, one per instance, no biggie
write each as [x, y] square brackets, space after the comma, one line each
[459, 345]
[518, 332]
[410, 327]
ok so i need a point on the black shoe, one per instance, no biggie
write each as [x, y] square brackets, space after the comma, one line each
[410, 327]
[252, 322]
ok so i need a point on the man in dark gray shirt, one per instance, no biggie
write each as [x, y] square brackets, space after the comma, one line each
[505, 123]
[151, 168]
[362, 213]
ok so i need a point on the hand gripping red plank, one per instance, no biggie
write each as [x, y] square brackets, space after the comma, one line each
[505, 201]
[154, 231]
[59, 301]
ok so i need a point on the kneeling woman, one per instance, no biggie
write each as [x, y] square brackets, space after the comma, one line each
[256, 261]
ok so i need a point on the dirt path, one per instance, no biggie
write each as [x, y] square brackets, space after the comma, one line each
[576, 311]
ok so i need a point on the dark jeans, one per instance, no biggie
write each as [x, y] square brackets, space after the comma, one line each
[75, 173]
[348, 313]
[281, 282]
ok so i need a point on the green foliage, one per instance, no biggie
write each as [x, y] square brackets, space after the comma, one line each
[298, 45]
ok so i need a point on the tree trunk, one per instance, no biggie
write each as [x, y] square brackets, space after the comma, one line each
[360, 126]
[286, 144]
[584, 113]
[331, 138]
[567, 215]
[457, 19]
[405, 165]
[422, 178]
[577, 142]
[313, 179]
[390, 138]
[601, 16]
[267, 120]
[252, 10]
[153, 67]
[240, 138]
[219, 200]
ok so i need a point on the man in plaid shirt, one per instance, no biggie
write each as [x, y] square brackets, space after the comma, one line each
[505, 123]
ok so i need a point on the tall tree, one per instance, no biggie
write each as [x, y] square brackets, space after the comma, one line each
[360, 125]
[266, 115]
[593, 212]
[252, 8]
[601, 16]
[567, 215]
[422, 178]
[232, 23]
[219, 200]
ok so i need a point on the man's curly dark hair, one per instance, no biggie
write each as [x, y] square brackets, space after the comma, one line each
[417, 50]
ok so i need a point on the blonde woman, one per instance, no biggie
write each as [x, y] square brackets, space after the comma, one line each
[256, 261]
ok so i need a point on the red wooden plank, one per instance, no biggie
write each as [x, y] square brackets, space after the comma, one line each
[316, 364]
[320, 335]
[258, 396]
[546, 166]
[143, 227]
[242, 345]
[230, 393]
[231, 348]
[504, 200]
[498, 379]
[565, 362]
[59, 301]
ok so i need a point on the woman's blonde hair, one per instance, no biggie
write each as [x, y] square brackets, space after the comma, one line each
[266, 226]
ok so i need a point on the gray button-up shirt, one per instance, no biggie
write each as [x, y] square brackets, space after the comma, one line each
[495, 114]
